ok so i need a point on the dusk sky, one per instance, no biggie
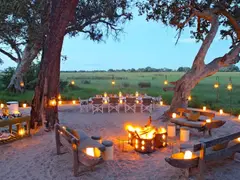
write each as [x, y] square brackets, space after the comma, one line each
[142, 44]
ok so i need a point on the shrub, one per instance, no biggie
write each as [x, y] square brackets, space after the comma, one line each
[144, 84]
[63, 85]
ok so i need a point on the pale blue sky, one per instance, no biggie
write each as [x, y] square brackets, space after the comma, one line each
[143, 44]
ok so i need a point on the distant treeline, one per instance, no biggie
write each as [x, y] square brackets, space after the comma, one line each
[232, 68]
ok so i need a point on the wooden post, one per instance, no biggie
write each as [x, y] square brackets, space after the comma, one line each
[75, 157]
[57, 138]
[202, 164]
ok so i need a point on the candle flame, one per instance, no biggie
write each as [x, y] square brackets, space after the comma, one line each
[188, 155]
[90, 151]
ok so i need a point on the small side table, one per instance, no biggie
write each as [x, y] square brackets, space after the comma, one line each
[121, 142]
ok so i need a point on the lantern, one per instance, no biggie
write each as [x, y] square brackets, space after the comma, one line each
[165, 81]
[1, 105]
[120, 94]
[238, 139]
[22, 84]
[113, 82]
[136, 94]
[74, 102]
[187, 155]
[174, 115]
[161, 103]
[24, 105]
[105, 101]
[21, 132]
[137, 101]
[204, 108]
[59, 97]
[208, 120]
[239, 117]
[229, 87]
[52, 102]
[72, 82]
[216, 85]
[121, 101]
[221, 111]
[59, 102]
[189, 98]
[90, 151]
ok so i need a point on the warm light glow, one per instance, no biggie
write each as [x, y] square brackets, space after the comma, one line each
[90, 151]
[59, 97]
[238, 139]
[137, 101]
[2, 105]
[105, 101]
[208, 120]
[60, 102]
[151, 131]
[161, 130]
[136, 94]
[74, 102]
[239, 117]
[24, 105]
[221, 111]
[22, 84]
[161, 103]
[136, 141]
[142, 147]
[143, 142]
[105, 94]
[74, 146]
[229, 87]
[121, 101]
[163, 136]
[174, 115]
[113, 82]
[72, 82]
[136, 146]
[216, 85]
[64, 127]
[129, 135]
[53, 102]
[188, 155]
[204, 108]
[164, 144]
[189, 98]
[165, 82]
[120, 94]
[21, 132]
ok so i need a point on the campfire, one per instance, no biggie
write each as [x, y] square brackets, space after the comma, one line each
[146, 139]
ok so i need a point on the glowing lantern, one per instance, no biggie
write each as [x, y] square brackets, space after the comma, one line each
[74, 146]
[22, 84]
[60, 102]
[74, 102]
[137, 101]
[64, 127]
[229, 87]
[21, 132]
[136, 94]
[2, 105]
[113, 82]
[24, 105]
[143, 142]
[239, 117]
[189, 98]
[208, 120]
[216, 85]
[121, 101]
[161, 103]
[105, 94]
[53, 102]
[204, 108]
[174, 115]
[120, 94]
[136, 141]
[136, 146]
[72, 82]
[142, 147]
[129, 135]
[164, 144]
[163, 136]
[165, 82]
[105, 101]
[238, 139]
[221, 111]
[59, 97]
[187, 155]
[90, 151]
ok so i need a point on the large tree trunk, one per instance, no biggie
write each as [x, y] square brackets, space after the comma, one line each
[62, 11]
[29, 54]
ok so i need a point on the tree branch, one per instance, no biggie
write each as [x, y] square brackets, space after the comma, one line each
[169, 88]
[9, 55]
[199, 59]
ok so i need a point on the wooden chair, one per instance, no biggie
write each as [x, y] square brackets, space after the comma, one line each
[230, 146]
[97, 105]
[130, 104]
[77, 146]
[84, 106]
[146, 105]
[113, 104]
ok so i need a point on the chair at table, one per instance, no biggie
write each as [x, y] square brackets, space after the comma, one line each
[130, 104]
[147, 105]
[113, 104]
[97, 105]
[84, 106]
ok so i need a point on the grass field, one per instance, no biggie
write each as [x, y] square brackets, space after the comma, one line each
[202, 94]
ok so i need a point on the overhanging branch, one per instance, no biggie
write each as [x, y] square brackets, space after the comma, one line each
[9, 55]
[169, 88]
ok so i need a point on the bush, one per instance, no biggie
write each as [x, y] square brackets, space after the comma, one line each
[144, 84]
[63, 85]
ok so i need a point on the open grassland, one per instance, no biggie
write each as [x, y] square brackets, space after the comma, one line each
[88, 84]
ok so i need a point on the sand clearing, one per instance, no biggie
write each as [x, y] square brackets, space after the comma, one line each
[35, 157]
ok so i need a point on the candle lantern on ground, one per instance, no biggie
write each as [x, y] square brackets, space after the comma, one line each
[24, 105]
[204, 108]
[161, 103]
[21, 132]
[221, 111]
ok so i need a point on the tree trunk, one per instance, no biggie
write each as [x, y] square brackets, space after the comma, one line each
[29, 54]
[62, 11]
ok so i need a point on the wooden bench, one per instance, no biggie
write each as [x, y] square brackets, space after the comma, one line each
[200, 125]
[205, 154]
[77, 146]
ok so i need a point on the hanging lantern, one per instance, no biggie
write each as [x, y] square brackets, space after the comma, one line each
[59, 97]
[216, 84]
[189, 98]
[229, 86]
[53, 102]
[120, 94]
[72, 82]
[22, 84]
[113, 81]
[136, 94]
[165, 81]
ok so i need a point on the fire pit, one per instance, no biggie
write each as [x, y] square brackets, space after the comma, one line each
[146, 139]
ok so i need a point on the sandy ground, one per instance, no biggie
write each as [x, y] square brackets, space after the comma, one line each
[35, 158]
